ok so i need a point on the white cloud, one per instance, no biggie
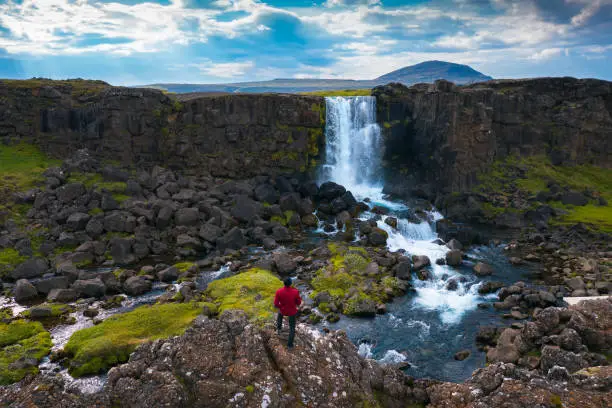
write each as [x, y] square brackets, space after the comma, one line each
[57, 26]
[586, 13]
[210, 68]
[547, 53]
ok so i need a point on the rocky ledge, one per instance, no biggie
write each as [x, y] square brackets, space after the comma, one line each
[231, 362]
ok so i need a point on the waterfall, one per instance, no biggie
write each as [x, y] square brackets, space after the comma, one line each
[354, 151]
[354, 145]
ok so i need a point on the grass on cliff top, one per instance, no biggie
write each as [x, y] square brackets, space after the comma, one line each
[80, 87]
[96, 349]
[343, 92]
[251, 291]
[532, 175]
[21, 341]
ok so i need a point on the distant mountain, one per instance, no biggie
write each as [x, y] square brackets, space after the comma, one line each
[428, 71]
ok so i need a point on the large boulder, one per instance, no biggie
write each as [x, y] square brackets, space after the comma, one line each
[233, 239]
[164, 217]
[24, 291]
[70, 192]
[94, 228]
[266, 193]
[210, 232]
[168, 275]
[454, 257]
[46, 285]
[378, 237]
[483, 269]
[403, 270]
[137, 285]
[330, 190]
[555, 356]
[359, 305]
[62, 295]
[285, 264]
[574, 198]
[245, 209]
[121, 251]
[187, 216]
[77, 221]
[420, 261]
[89, 288]
[32, 268]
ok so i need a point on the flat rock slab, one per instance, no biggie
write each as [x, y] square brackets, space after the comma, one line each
[578, 299]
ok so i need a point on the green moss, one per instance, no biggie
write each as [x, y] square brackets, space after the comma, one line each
[336, 283]
[184, 266]
[21, 168]
[57, 310]
[251, 291]
[21, 340]
[533, 174]
[279, 219]
[250, 389]
[96, 211]
[9, 259]
[95, 349]
[351, 306]
[343, 92]
[96, 182]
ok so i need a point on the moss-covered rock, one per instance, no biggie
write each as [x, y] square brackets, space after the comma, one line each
[353, 282]
[96, 349]
[23, 344]
[251, 291]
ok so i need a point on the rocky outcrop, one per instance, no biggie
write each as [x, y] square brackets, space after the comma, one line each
[229, 362]
[443, 135]
[228, 135]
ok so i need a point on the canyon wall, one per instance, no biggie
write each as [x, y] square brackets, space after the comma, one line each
[225, 135]
[440, 137]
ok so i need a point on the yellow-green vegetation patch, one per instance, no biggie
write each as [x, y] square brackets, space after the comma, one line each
[532, 175]
[347, 280]
[340, 92]
[55, 310]
[9, 259]
[21, 168]
[96, 181]
[96, 349]
[21, 341]
[184, 266]
[251, 291]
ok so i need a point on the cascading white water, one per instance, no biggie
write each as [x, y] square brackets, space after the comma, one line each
[354, 160]
[354, 144]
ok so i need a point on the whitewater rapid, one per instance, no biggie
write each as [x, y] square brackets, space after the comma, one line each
[354, 149]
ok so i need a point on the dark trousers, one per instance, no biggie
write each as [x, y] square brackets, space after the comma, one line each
[279, 326]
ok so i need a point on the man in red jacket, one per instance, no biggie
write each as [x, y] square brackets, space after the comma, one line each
[287, 300]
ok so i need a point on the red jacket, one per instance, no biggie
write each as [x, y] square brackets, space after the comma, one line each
[287, 300]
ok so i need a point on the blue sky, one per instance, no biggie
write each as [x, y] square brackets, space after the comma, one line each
[211, 41]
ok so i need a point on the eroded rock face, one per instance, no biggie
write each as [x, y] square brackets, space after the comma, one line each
[446, 134]
[227, 136]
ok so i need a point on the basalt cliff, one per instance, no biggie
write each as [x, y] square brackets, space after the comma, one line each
[234, 136]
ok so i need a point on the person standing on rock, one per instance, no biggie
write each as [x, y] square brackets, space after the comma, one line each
[287, 300]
